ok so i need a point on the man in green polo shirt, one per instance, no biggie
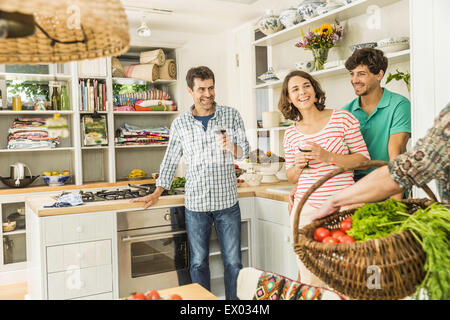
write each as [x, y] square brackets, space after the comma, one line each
[384, 116]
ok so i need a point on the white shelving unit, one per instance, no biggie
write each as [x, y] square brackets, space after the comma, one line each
[278, 51]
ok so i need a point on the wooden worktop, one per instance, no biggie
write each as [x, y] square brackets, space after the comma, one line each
[67, 187]
[37, 203]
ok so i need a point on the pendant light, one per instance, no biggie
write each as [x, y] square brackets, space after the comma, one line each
[144, 29]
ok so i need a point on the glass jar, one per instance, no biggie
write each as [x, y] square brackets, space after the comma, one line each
[17, 103]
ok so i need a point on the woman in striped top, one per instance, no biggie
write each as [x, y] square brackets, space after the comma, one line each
[320, 141]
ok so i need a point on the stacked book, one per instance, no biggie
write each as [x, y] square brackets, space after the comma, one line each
[92, 95]
[30, 133]
[133, 135]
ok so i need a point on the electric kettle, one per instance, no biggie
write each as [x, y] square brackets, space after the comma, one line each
[18, 171]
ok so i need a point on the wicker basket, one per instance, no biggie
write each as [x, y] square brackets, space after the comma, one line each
[350, 268]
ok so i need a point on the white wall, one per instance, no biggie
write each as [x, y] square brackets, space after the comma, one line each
[430, 65]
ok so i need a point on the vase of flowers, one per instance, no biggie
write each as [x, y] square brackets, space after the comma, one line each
[320, 41]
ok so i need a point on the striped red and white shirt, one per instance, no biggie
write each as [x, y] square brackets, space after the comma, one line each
[341, 135]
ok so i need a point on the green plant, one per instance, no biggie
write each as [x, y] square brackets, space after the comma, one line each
[405, 76]
[31, 89]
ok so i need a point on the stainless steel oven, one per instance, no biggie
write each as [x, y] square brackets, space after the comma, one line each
[153, 250]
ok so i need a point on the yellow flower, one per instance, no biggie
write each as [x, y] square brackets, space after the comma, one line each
[316, 30]
[326, 29]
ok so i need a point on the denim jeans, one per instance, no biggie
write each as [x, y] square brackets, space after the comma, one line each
[227, 223]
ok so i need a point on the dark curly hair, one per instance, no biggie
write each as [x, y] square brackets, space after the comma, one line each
[374, 59]
[288, 110]
[202, 73]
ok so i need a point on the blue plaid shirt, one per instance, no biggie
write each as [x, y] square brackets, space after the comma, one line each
[210, 175]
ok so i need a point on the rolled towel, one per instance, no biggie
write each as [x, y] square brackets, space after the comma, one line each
[169, 70]
[117, 68]
[154, 57]
[147, 72]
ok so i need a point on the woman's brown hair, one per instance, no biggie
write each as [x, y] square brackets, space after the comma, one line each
[288, 110]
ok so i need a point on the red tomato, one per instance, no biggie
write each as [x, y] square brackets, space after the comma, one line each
[345, 225]
[152, 295]
[330, 240]
[236, 166]
[347, 239]
[175, 297]
[337, 234]
[137, 296]
[349, 218]
[321, 233]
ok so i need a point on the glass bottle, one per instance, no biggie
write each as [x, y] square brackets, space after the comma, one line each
[56, 99]
[64, 99]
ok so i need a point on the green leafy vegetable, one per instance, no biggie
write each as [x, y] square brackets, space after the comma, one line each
[377, 220]
[431, 228]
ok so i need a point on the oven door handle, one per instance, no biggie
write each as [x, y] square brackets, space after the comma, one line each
[152, 236]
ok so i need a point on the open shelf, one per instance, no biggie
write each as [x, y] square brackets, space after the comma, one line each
[394, 57]
[34, 77]
[47, 112]
[352, 9]
[139, 81]
[133, 113]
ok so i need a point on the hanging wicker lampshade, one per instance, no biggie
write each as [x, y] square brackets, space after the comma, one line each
[64, 30]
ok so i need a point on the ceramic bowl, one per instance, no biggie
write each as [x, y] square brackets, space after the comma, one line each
[269, 24]
[393, 41]
[308, 8]
[281, 74]
[58, 180]
[393, 44]
[253, 179]
[9, 226]
[306, 66]
[290, 17]
[269, 75]
[327, 8]
[355, 47]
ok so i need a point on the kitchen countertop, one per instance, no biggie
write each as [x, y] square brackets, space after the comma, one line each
[12, 191]
[37, 203]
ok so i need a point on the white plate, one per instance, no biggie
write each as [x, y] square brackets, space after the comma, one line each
[394, 47]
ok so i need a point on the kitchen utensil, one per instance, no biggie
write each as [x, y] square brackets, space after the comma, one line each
[17, 171]
[19, 219]
[269, 23]
[9, 226]
[57, 180]
[10, 182]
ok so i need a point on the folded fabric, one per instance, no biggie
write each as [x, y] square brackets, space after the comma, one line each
[156, 108]
[154, 102]
[124, 108]
[258, 284]
[153, 94]
[67, 200]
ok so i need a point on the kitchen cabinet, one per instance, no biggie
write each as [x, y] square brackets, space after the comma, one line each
[99, 163]
[273, 245]
[363, 21]
[72, 256]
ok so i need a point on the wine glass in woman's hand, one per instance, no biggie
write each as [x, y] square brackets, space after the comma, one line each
[304, 147]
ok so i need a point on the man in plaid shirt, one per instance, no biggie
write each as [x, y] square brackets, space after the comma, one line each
[210, 137]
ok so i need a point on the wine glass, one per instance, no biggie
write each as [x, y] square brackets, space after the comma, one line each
[302, 148]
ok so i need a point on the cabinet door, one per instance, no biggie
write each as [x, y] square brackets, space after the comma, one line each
[76, 283]
[274, 249]
[247, 207]
[80, 255]
[272, 210]
[77, 227]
